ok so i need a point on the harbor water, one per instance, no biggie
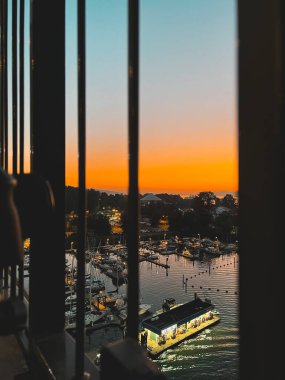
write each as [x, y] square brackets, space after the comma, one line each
[212, 354]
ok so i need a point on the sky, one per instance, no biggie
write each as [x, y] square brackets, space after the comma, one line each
[188, 121]
[26, 87]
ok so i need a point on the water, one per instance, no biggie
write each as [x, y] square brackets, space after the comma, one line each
[212, 354]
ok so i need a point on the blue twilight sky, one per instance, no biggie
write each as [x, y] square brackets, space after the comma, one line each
[188, 139]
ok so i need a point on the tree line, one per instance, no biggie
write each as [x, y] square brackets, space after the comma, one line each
[203, 214]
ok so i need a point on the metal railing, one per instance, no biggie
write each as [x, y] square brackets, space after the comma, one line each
[21, 117]
[14, 111]
[133, 198]
[261, 114]
[80, 287]
[133, 205]
[17, 90]
[47, 133]
[4, 100]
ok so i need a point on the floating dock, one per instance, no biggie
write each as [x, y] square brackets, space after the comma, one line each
[168, 329]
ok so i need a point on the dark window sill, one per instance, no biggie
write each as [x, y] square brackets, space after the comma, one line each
[52, 356]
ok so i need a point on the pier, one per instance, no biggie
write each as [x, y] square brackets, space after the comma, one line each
[166, 266]
[102, 325]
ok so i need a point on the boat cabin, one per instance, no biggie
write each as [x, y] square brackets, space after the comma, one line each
[178, 320]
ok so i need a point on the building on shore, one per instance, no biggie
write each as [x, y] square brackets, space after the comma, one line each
[150, 199]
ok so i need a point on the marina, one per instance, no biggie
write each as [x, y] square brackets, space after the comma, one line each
[211, 277]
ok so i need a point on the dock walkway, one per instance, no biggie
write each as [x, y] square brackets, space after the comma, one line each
[166, 266]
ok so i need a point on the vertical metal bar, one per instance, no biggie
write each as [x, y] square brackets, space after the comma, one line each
[1, 113]
[133, 205]
[1, 87]
[5, 85]
[4, 98]
[47, 64]
[14, 112]
[21, 118]
[261, 182]
[80, 287]
[31, 156]
[6, 277]
[1, 277]
[14, 86]
[21, 83]
[13, 280]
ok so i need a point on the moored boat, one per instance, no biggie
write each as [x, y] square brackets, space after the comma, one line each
[186, 253]
[165, 330]
[144, 308]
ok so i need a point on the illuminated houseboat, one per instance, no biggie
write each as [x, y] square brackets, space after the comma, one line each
[168, 329]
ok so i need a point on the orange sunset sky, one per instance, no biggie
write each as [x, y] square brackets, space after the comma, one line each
[188, 126]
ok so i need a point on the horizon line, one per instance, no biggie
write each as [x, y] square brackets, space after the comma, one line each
[194, 192]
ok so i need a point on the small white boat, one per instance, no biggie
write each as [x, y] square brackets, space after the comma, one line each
[70, 314]
[123, 314]
[120, 303]
[153, 256]
[213, 251]
[144, 308]
[71, 298]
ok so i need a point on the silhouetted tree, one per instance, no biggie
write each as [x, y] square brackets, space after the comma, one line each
[228, 201]
[124, 222]
[224, 225]
[93, 200]
[71, 199]
[99, 224]
[192, 223]
[205, 200]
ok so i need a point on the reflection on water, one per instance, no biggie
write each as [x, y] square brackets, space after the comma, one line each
[213, 354]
